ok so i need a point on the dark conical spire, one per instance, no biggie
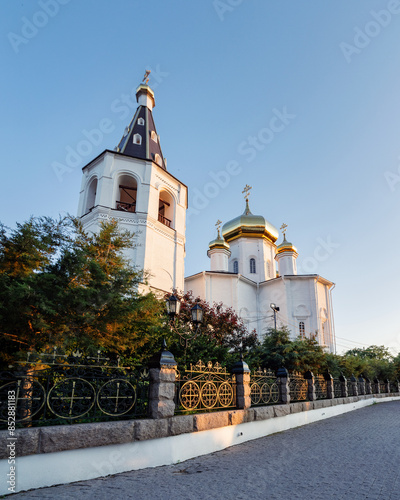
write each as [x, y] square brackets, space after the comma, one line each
[140, 139]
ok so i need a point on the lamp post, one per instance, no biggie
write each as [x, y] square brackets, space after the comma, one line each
[196, 315]
[275, 308]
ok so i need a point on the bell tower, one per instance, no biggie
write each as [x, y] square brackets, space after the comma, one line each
[132, 185]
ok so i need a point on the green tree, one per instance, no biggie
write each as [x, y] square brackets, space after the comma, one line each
[60, 286]
[295, 355]
[222, 337]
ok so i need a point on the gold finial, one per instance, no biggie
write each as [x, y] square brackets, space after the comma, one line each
[246, 192]
[283, 229]
[218, 225]
[146, 77]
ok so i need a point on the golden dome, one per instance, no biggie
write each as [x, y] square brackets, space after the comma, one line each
[219, 242]
[286, 246]
[249, 225]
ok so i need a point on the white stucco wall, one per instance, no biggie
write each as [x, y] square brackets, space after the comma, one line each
[159, 249]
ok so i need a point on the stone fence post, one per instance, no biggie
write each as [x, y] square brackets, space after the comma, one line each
[330, 389]
[343, 384]
[353, 382]
[387, 386]
[309, 376]
[243, 390]
[162, 384]
[361, 385]
[377, 386]
[284, 387]
[368, 386]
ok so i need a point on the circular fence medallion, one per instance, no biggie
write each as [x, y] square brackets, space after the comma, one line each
[71, 398]
[225, 394]
[265, 393]
[29, 397]
[189, 395]
[274, 391]
[255, 393]
[116, 397]
[209, 395]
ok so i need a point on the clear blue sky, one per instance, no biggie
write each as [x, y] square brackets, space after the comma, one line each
[221, 70]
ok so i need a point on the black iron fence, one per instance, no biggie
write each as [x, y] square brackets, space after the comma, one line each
[264, 387]
[50, 389]
[205, 388]
[321, 390]
[298, 387]
[59, 389]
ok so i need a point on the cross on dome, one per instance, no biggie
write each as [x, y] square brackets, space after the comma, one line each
[218, 226]
[283, 228]
[246, 190]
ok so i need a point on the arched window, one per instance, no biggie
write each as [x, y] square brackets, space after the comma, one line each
[302, 331]
[236, 267]
[166, 209]
[126, 197]
[157, 159]
[252, 266]
[140, 121]
[137, 139]
[91, 195]
[153, 136]
[268, 269]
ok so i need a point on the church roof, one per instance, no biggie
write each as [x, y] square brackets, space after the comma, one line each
[251, 225]
[286, 246]
[140, 139]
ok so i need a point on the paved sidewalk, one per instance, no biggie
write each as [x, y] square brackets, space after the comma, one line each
[354, 456]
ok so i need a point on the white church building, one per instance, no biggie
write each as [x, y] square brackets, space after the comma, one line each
[248, 271]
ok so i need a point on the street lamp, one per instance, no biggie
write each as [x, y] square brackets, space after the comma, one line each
[173, 306]
[275, 308]
[196, 315]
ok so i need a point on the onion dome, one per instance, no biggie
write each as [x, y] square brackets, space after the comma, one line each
[219, 242]
[249, 225]
[286, 246]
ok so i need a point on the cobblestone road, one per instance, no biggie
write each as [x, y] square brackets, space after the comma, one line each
[354, 456]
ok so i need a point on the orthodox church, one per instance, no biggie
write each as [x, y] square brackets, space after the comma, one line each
[248, 271]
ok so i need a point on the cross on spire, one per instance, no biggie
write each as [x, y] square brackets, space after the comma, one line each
[246, 192]
[218, 225]
[283, 229]
[146, 77]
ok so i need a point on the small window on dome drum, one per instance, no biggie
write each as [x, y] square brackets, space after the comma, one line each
[140, 121]
[252, 266]
[236, 267]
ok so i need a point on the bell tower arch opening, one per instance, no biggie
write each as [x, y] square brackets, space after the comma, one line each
[127, 193]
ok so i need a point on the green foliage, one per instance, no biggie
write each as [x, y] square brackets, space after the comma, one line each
[295, 355]
[223, 335]
[60, 286]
